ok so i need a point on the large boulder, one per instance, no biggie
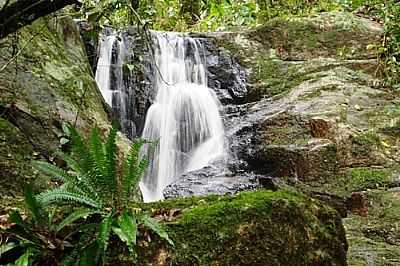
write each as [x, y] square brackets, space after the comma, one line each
[251, 228]
[45, 80]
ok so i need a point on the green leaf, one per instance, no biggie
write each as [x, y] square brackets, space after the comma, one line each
[24, 259]
[7, 247]
[31, 203]
[104, 232]
[127, 230]
[156, 227]
[89, 256]
[66, 128]
[15, 217]
[62, 196]
[78, 214]
[53, 171]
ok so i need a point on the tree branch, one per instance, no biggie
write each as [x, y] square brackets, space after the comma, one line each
[24, 12]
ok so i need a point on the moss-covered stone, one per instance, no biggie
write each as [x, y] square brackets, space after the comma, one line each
[251, 228]
[45, 80]
[376, 239]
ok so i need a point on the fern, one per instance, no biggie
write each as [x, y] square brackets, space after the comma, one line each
[127, 230]
[78, 214]
[104, 232]
[32, 204]
[153, 225]
[79, 148]
[110, 160]
[54, 171]
[134, 168]
[94, 184]
[61, 195]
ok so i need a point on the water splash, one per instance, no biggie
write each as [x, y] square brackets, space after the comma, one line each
[184, 118]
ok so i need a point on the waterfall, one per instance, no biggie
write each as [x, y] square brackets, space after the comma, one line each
[112, 81]
[184, 121]
[185, 116]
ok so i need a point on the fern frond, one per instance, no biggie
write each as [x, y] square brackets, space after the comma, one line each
[79, 148]
[127, 230]
[78, 214]
[104, 232]
[32, 204]
[71, 162]
[110, 160]
[54, 171]
[61, 195]
[97, 150]
[133, 168]
[156, 227]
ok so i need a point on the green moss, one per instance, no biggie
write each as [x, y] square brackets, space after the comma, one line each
[15, 169]
[362, 178]
[273, 77]
[251, 228]
[365, 143]
[357, 179]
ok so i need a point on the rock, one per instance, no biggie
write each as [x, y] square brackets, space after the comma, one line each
[336, 202]
[358, 203]
[224, 74]
[210, 180]
[314, 104]
[50, 82]
[251, 228]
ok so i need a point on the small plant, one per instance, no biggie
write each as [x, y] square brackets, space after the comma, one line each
[35, 240]
[97, 190]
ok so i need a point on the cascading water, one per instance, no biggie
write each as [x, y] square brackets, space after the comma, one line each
[184, 119]
[114, 82]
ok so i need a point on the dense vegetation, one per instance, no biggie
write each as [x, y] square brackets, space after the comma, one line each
[73, 222]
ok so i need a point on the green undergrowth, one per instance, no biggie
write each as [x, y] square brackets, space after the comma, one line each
[251, 228]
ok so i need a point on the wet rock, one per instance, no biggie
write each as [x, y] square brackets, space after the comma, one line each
[224, 74]
[211, 180]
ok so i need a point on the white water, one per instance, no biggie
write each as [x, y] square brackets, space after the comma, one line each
[184, 118]
[103, 67]
[109, 76]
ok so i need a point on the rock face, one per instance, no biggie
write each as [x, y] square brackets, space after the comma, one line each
[48, 83]
[314, 103]
[251, 228]
[303, 97]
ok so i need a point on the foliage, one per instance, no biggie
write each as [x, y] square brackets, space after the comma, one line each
[99, 191]
[35, 240]
[391, 47]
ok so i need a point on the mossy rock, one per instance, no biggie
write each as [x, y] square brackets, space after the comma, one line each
[251, 228]
[48, 83]
[376, 239]
[333, 34]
